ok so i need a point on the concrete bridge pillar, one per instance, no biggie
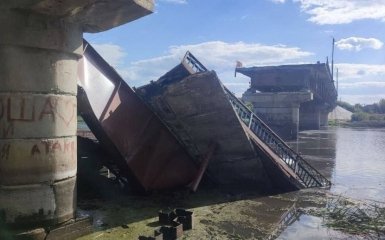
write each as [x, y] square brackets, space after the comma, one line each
[40, 45]
[38, 118]
[309, 116]
[324, 114]
[279, 110]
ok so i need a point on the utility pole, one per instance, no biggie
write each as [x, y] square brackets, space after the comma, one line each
[333, 59]
[337, 80]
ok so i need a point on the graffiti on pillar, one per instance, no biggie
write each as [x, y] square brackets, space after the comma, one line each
[47, 147]
[6, 129]
[4, 151]
[70, 112]
[14, 109]
[49, 109]
[20, 110]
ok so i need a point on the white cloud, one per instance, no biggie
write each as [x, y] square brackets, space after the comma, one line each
[360, 72]
[114, 54]
[358, 43]
[278, 1]
[174, 1]
[361, 83]
[342, 11]
[218, 56]
[361, 98]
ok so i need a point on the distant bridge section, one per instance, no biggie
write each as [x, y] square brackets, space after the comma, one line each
[291, 97]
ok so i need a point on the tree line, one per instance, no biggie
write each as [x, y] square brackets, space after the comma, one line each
[369, 112]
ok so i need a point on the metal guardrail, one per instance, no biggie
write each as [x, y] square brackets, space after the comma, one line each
[286, 219]
[308, 176]
[193, 63]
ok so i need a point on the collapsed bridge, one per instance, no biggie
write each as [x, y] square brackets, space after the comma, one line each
[291, 97]
[183, 128]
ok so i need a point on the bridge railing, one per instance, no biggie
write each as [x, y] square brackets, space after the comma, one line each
[308, 176]
[193, 63]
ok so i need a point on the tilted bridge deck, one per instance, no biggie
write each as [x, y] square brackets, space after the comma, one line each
[269, 142]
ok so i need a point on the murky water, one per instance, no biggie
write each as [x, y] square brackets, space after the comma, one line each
[354, 161]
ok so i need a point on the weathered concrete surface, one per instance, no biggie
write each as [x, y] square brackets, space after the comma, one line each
[21, 114]
[91, 15]
[37, 160]
[199, 106]
[19, 63]
[40, 45]
[37, 118]
[42, 203]
[309, 116]
[314, 78]
[280, 110]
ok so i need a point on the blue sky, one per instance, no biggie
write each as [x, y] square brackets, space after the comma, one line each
[257, 33]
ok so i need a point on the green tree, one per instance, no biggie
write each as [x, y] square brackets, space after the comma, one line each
[381, 105]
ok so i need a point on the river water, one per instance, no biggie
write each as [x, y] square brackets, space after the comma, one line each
[353, 159]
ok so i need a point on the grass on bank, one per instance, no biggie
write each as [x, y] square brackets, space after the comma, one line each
[356, 218]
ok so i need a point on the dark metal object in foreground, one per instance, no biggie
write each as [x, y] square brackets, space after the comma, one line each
[145, 152]
[174, 223]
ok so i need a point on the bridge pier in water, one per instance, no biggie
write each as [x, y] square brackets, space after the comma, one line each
[40, 45]
[278, 92]
[280, 110]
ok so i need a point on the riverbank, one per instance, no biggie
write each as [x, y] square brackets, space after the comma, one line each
[359, 124]
[219, 215]
[338, 153]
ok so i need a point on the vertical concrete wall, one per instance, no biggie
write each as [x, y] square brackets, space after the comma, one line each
[309, 116]
[38, 66]
[279, 110]
[324, 117]
[282, 120]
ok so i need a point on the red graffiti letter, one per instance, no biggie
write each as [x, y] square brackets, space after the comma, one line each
[56, 146]
[4, 153]
[35, 149]
[48, 109]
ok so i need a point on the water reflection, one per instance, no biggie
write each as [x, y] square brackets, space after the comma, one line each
[310, 227]
[319, 149]
[354, 159]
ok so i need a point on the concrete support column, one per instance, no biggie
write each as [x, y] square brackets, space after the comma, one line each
[279, 110]
[38, 117]
[309, 116]
[324, 118]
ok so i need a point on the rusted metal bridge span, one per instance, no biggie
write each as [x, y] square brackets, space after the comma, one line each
[171, 132]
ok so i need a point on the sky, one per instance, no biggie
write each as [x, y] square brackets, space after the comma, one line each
[256, 33]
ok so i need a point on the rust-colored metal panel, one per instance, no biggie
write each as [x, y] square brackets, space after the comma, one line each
[126, 126]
